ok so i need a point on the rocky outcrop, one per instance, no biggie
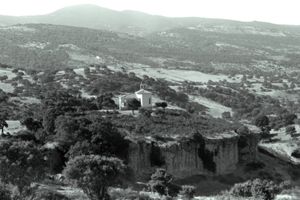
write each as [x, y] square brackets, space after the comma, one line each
[248, 147]
[187, 157]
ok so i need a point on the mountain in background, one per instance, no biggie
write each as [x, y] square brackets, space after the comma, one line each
[132, 22]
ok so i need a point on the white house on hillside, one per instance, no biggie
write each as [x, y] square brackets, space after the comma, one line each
[144, 96]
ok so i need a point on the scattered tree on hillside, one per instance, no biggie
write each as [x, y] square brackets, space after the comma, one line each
[289, 119]
[290, 130]
[87, 71]
[3, 123]
[263, 122]
[31, 124]
[3, 96]
[94, 173]
[292, 85]
[161, 104]
[226, 115]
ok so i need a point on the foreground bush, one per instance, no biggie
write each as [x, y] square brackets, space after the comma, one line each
[257, 188]
[21, 163]
[5, 194]
[94, 174]
[129, 194]
[47, 195]
[187, 192]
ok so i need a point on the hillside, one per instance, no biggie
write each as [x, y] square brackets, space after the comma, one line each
[130, 38]
[202, 48]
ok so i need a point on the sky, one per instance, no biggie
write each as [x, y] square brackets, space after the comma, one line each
[274, 11]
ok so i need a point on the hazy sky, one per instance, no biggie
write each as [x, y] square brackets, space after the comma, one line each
[276, 11]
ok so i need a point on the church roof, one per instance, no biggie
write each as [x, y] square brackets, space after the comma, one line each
[126, 96]
[143, 91]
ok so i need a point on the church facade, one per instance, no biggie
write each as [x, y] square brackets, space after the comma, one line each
[143, 96]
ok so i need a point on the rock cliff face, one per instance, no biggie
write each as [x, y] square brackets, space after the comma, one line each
[187, 157]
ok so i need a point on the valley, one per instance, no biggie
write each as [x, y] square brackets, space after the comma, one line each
[222, 121]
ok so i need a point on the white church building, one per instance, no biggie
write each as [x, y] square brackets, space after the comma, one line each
[143, 96]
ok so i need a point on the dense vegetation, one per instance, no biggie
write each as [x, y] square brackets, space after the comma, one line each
[74, 128]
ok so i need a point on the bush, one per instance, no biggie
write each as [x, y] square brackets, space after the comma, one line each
[187, 191]
[257, 188]
[48, 195]
[226, 115]
[161, 104]
[159, 181]
[4, 192]
[94, 174]
[128, 194]
[262, 121]
[290, 130]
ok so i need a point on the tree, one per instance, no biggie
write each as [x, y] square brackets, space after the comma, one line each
[257, 188]
[187, 192]
[87, 71]
[49, 118]
[94, 174]
[82, 135]
[4, 192]
[131, 75]
[289, 119]
[106, 101]
[21, 163]
[290, 130]
[262, 121]
[70, 129]
[3, 123]
[160, 181]
[133, 104]
[292, 85]
[161, 104]
[226, 115]
[32, 124]
[3, 96]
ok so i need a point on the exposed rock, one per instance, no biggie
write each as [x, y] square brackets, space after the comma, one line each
[187, 157]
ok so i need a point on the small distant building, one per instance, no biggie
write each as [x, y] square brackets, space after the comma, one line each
[143, 96]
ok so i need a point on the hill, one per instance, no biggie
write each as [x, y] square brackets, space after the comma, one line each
[207, 48]
[131, 22]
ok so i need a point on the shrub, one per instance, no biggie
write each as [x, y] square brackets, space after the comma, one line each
[94, 174]
[161, 104]
[48, 195]
[128, 194]
[4, 192]
[159, 181]
[262, 121]
[226, 115]
[187, 191]
[257, 188]
[290, 130]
